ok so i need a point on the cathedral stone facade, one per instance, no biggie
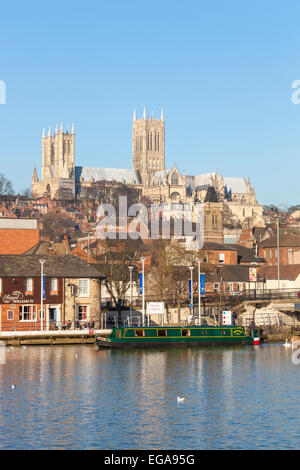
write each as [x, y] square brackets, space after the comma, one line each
[60, 178]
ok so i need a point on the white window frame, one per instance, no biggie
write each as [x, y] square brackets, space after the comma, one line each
[87, 312]
[55, 281]
[86, 289]
[221, 257]
[28, 283]
[32, 313]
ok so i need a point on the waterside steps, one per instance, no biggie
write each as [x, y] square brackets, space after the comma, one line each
[20, 338]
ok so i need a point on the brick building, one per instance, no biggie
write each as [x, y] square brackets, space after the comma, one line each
[289, 249]
[71, 292]
[17, 235]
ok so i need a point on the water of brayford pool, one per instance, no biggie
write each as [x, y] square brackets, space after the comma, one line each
[235, 398]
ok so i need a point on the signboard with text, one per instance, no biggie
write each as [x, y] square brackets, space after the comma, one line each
[155, 308]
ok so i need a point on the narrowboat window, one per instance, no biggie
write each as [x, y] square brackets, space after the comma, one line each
[118, 335]
[204, 332]
[139, 333]
[223, 332]
[185, 332]
[161, 333]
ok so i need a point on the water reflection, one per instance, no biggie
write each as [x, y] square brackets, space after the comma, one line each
[75, 397]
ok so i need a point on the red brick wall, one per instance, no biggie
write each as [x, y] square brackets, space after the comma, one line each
[270, 254]
[9, 285]
[213, 256]
[17, 241]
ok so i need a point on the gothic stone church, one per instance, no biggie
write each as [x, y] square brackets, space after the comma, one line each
[60, 178]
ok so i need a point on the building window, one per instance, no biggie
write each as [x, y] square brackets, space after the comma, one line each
[53, 284]
[10, 314]
[215, 220]
[83, 288]
[174, 179]
[271, 254]
[221, 257]
[216, 287]
[157, 142]
[27, 313]
[28, 284]
[82, 312]
[1, 285]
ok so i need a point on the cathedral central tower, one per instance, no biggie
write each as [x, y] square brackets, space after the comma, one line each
[148, 145]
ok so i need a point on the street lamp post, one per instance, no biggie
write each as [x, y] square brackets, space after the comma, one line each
[42, 261]
[192, 305]
[130, 270]
[143, 259]
[278, 259]
[199, 291]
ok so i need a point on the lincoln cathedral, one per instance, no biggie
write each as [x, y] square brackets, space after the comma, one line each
[61, 178]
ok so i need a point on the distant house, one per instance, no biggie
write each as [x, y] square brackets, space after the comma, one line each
[17, 235]
[289, 276]
[289, 249]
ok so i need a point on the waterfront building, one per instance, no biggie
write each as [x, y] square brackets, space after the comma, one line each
[71, 292]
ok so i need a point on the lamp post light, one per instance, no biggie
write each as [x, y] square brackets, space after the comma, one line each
[143, 259]
[130, 270]
[199, 290]
[42, 261]
[192, 305]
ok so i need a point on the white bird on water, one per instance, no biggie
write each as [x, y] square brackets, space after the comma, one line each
[180, 400]
[24, 347]
[287, 344]
[76, 356]
[13, 386]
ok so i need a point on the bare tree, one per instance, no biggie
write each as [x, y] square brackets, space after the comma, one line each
[5, 185]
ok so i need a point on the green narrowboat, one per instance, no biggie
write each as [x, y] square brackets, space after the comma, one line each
[134, 337]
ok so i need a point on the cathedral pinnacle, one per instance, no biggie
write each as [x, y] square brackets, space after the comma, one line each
[61, 127]
[134, 115]
[144, 115]
[162, 114]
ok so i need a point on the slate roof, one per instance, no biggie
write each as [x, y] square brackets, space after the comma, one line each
[284, 240]
[42, 248]
[54, 266]
[121, 175]
[288, 272]
[246, 255]
[236, 185]
[212, 246]
[231, 273]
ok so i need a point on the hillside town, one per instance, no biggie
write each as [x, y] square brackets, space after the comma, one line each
[91, 281]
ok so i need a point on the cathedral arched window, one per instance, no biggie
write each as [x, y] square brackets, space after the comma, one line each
[157, 141]
[141, 143]
[150, 140]
[174, 178]
[215, 220]
[69, 146]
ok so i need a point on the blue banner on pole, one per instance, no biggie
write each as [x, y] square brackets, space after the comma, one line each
[141, 283]
[190, 289]
[44, 289]
[202, 283]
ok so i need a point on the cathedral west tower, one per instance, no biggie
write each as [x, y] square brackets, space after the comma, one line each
[148, 146]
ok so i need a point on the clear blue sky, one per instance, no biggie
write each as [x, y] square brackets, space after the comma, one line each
[222, 71]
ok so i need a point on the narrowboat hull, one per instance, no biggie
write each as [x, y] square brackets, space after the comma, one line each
[147, 337]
